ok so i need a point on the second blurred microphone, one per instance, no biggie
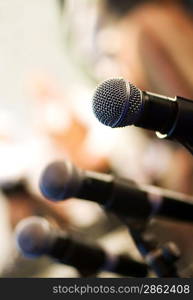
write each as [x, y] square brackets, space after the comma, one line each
[62, 180]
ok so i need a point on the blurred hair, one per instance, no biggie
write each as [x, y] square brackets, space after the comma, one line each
[121, 7]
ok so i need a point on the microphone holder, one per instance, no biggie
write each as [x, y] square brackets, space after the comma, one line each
[161, 259]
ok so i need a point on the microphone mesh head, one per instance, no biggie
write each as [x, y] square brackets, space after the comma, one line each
[60, 180]
[117, 103]
[33, 236]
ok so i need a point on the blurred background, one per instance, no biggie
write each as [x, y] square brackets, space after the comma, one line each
[52, 56]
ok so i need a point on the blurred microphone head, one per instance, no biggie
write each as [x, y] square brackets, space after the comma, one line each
[60, 180]
[117, 103]
[33, 237]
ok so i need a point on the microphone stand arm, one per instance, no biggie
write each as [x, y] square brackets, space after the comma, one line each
[160, 259]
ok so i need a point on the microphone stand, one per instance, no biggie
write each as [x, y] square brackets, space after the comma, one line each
[161, 259]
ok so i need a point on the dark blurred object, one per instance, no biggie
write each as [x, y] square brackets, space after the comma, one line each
[23, 203]
[13, 188]
[188, 4]
[61, 4]
[122, 7]
[161, 259]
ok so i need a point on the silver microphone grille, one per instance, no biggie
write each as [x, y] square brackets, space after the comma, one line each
[117, 103]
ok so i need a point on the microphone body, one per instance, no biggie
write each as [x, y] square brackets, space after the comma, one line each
[35, 237]
[172, 117]
[121, 196]
[118, 103]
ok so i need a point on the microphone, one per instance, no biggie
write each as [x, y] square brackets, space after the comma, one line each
[118, 103]
[35, 237]
[125, 198]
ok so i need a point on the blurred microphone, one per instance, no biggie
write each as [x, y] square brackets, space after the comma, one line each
[118, 103]
[36, 237]
[62, 180]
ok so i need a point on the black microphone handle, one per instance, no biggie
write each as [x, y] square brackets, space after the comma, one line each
[90, 260]
[158, 112]
[182, 128]
[171, 118]
[125, 198]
